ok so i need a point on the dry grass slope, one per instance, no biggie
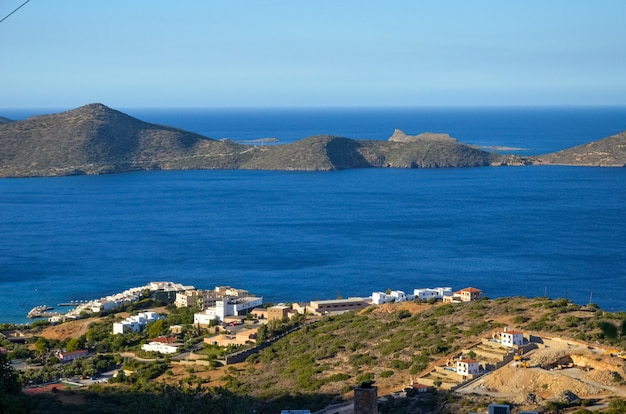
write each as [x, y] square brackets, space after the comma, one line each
[607, 152]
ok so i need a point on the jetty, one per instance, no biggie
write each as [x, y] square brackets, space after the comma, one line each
[72, 303]
[42, 311]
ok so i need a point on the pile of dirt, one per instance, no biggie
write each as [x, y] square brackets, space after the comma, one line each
[565, 372]
[550, 356]
[518, 383]
[605, 377]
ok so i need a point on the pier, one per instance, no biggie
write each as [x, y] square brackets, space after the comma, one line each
[41, 312]
[72, 303]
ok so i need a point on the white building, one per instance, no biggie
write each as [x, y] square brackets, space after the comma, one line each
[398, 296]
[204, 318]
[512, 338]
[227, 307]
[105, 305]
[436, 293]
[163, 345]
[378, 298]
[135, 323]
[467, 367]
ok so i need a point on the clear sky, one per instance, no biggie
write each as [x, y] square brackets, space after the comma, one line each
[274, 53]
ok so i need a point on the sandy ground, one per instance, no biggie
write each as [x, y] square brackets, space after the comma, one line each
[72, 329]
[583, 373]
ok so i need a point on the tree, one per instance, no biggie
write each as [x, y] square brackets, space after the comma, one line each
[19, 352]
[155, 329]
[9, 383]
[41, 346]
[72, 345]
[608, 329]
[262, 334]
[10, 389]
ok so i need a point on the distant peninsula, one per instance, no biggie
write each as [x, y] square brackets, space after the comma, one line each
[95, 139]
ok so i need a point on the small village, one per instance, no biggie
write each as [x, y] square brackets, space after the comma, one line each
[228, 307]
[236, 321]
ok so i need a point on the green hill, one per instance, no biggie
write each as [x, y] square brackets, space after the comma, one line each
[574, 349]
[395, 343]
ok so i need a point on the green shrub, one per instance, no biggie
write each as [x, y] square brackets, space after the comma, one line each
[366, 376]
[398, 364]
[356, 360]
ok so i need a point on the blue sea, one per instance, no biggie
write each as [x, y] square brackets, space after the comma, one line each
[293, 236]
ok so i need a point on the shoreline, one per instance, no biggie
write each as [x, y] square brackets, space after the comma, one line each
[134, 294]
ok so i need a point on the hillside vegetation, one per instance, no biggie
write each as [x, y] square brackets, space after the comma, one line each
[391, 344]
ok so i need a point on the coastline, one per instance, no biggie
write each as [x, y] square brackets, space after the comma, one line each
[167, 290]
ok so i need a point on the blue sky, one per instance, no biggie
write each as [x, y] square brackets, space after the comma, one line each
[264, 53]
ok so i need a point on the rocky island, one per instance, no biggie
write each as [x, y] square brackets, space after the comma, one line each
[95, 139]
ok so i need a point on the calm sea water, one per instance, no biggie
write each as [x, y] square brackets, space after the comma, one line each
[300, 236]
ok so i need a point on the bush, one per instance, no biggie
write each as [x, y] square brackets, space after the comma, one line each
[401, 365]
[402, 314]
[356, 360]
[519, 319]
[366, 376]
[386, 374]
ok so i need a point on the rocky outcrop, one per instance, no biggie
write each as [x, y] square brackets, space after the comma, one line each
[399, 136]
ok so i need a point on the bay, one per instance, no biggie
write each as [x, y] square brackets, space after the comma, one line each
[292, 236]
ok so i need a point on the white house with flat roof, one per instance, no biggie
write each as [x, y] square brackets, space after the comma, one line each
[205, 317]
[135, 323]
[227, 307]
[163, 345]
[466, 367]
[378, 298]
[436, 293]
[512, 338]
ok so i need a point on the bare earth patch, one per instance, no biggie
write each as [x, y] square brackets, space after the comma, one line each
[553, 373]
[72, 329]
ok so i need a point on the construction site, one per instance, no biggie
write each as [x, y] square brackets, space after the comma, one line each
[537, 370]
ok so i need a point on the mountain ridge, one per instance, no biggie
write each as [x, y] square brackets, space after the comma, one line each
[606, 152]
[95, 139]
